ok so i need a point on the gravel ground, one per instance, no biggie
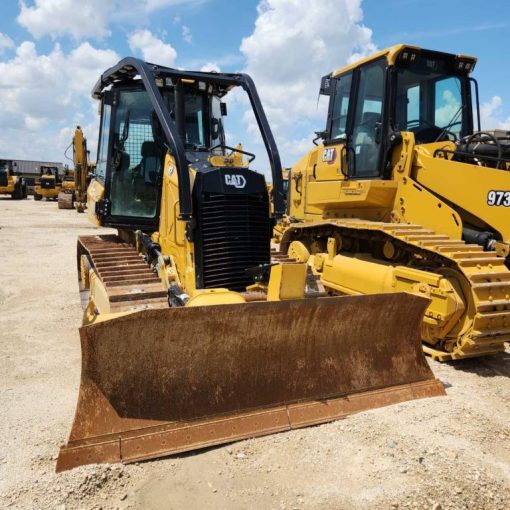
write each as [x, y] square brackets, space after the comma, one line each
[443, 453]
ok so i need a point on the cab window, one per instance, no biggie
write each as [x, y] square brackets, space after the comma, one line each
[138, 159]
[102, 155]
[341, 107]
[367, 119]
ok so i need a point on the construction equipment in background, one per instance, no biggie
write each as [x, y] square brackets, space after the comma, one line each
[83, 170]
[403, 194]
[10, 182]
[194, 333]
[66, 196]
[49, 184]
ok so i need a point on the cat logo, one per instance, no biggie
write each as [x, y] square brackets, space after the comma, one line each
[236, 180]
[329, 156]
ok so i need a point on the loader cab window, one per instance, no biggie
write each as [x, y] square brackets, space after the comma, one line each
[137, 159]
[448, 105]
[366, 143]
[340, 107]
[430, 101]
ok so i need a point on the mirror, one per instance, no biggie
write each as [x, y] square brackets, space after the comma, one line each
[326, 85]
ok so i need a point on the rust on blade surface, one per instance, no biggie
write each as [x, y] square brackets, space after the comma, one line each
[158, 382]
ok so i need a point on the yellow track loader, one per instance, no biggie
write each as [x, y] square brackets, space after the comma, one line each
[49, 183]
[194, 332]
[404, 194]
[11, 183]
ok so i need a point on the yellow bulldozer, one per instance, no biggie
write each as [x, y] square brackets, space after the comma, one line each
[194, 332]
[11, 183]
[405, 192]
[49, 183]
[74, 189]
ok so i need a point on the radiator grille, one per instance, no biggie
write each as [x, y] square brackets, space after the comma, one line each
[47, 183]
[4, 179]
[235, 235]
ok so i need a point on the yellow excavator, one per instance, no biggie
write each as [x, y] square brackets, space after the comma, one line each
[49, 183]
[67, 194]
[11, 183]
[75, 196]
[403, 193]
[194, 332]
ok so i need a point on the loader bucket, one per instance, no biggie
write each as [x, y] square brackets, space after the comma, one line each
[159, 382]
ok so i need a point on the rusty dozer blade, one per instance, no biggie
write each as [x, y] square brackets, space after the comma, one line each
[158, 382]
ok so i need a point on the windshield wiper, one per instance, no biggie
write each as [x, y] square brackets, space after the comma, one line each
[451, 123]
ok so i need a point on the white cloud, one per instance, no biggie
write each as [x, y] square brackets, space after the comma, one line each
[450, 111]
[6, 43]
[87, 19]
[294, 43]
[64, 17]
[152, 49]
[186, 34]
[45, 95]
[490, 115]
[210, 67]
[152, 5]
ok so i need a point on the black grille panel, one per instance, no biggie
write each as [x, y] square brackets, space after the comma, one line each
[234, 235]
[47, 183]
[4, 179]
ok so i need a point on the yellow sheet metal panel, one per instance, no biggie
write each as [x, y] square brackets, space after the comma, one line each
[287, 281]
[469, 187]
[415, 204]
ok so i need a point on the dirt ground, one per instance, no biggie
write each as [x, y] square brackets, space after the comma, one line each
[449, 452]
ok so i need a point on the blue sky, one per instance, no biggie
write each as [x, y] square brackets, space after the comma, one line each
[52, 51]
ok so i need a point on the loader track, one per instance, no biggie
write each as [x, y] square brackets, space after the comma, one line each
[484, 277]
[129, 282]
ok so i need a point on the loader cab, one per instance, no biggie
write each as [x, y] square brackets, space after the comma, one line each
[48, 177]
[401, 89]
[8, 167]
[49, 171]
[6, 172]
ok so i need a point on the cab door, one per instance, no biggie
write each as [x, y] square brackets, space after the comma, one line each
[130, 162]
[365, 134]
[331, 163]
[328, 163]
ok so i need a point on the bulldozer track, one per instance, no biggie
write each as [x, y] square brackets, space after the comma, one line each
[486, 275]
[129, 281]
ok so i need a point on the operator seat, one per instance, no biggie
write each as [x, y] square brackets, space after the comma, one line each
[150, 165]
[367, 151]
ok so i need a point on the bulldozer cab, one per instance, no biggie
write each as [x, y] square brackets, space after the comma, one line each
[139, 116]
[425, 92]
